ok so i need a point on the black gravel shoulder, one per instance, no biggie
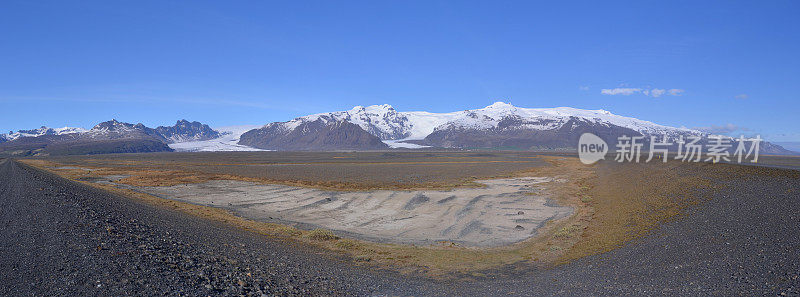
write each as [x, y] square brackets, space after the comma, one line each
[61, 238]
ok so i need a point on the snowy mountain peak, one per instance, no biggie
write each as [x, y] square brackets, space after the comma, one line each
[43, 130]
[69, 130]
[382, 120]
[499, 105]
[386, 123]
[373, 109]
[110, 125]
[385, 107]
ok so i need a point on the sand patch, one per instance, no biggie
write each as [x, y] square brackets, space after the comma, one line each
[505, 211]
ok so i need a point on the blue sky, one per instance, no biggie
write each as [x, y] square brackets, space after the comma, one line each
[728, 65]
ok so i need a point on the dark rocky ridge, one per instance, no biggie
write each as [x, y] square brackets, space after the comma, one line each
[187, 131]
[308, 136]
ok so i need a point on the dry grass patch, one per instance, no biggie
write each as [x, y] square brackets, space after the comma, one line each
[321, 235]
[629, 200]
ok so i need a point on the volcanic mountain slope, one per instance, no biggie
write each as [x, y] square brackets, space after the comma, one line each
[312, 135]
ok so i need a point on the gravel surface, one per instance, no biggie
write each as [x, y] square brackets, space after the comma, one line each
[744, 241]
[62, 238]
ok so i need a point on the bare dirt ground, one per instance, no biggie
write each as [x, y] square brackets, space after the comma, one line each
[502, 212]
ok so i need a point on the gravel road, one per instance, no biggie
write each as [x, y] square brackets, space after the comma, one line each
[62, 238]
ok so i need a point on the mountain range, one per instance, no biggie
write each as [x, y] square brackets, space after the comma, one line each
[106, 137]
[378, 127]
[497, 126]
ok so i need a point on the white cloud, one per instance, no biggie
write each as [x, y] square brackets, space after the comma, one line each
[675, 92]
[620, 91]
[742, 96]
[723, 129]
[655, 92]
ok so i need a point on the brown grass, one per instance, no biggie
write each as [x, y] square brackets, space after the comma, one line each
[321, 235]
[328, 171]
[629, 200]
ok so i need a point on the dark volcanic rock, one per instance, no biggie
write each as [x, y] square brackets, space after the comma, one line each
[187, 131]
[309, 136]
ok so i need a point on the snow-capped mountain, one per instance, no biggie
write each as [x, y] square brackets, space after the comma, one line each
[382, 121]
[379, 120]
[185, 131]
[107, 137]
[182, 131]
[386, 123]
[114, 129]
[41, 131]
[500, 125]
[502, 115]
